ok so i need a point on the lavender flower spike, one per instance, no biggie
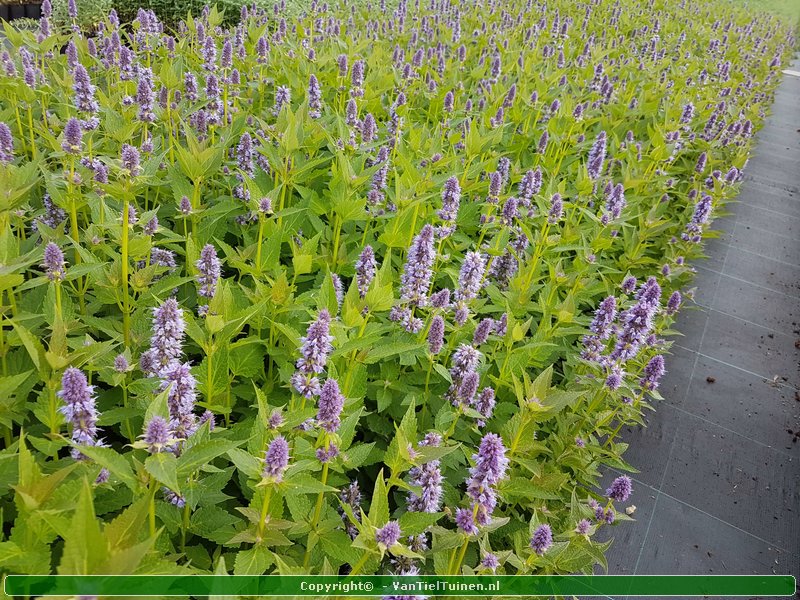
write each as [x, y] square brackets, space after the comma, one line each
[674, 303]
[181, 398]
[490, 461]
[331, 402]
[209, 267]
[73, 137]
[314, 98]
[388, 535]
[620, 489]
[653, 372]
[470, 277]
[54, 262]
[276, 459]
[79, 409]
[436, 335]
[597, 156]
[451, 198]
[418, 270]
[6, 144]
[156, 435]
[556, 209]
[168, 331]
[466, 521]
[429, 478]
[542, 539]
[365, 270]
[316, 345]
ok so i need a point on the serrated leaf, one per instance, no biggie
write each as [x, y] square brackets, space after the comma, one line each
[164, 468]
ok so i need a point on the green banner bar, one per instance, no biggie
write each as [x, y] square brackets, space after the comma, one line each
[379, 585]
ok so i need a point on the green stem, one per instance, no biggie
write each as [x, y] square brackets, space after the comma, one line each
[360, 564]
[337, 235]
[128, 429]
[262, 522]
[152, 508]
[53, 411]
[460, 559]
[126, 316]
[184, 526]
[317, 512]
[261, 222]
[59, 313]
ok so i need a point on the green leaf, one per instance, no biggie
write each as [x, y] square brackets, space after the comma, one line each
[117, 464]
[379, 507]
[338, 545]
[85, 547]
[163, 467]
[201, 454]
[303, 483]
[414, 523]
[254, 561]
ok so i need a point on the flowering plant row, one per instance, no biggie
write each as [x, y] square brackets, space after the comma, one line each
[372, 289]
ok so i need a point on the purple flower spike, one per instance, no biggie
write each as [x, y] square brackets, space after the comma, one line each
[482, 331]
[620, 489]
[583, 526]
[429, 478]
[168, 331]
[485, 403]
[79, 409]
[490, 561]
[441, 299]
[177, 377]
[151, 226]
[314, 98]
[701, 162]
[145, 96]
[556, 209]
[471, 277]
[451, 198]
[542, 539]
[6, 144]
[628, 284]
[276, 459]
[316, 345]
[653, 372]
[209, 267]
[465, 360]
[388, 535]
[418, 270]
[54, 262]
[73, 137]
[531, 184]
[245, 155]
[156, 435]
[674, 303]
[366, 266]
[84, 91]
[490, 461]
[331, 402]
[130, 159]
[121, 363]
[466, 521]
[597, 156]
[604, 317]
[436, 335]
